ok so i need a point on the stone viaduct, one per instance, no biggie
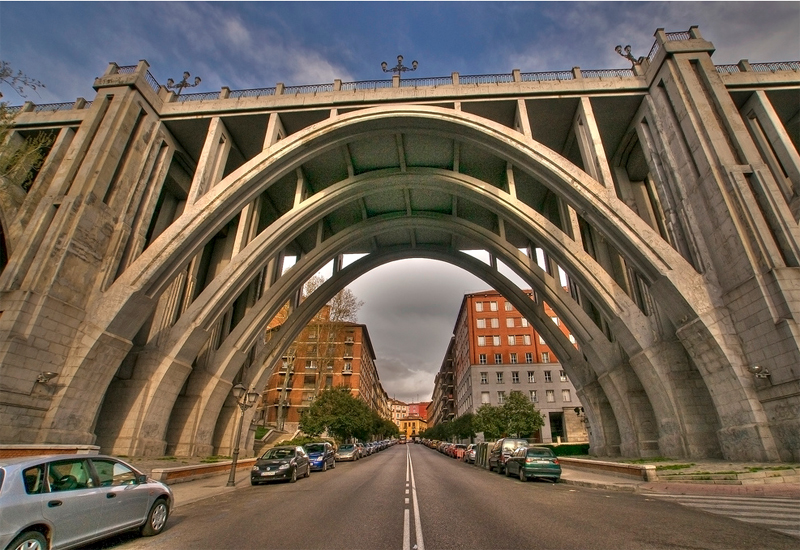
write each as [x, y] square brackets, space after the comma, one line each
[146, 260]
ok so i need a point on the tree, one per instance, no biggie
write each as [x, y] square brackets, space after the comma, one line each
[20, 157]
[341, 414]
[17, 81]
[520, 416]
[516, 417]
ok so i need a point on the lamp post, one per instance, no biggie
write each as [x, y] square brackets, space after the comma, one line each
[183, 83]
[245, 399]
[399, 68]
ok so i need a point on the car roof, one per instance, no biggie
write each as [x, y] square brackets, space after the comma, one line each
[23, 461]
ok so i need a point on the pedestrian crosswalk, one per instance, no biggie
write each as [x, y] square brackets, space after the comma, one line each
[779, 514]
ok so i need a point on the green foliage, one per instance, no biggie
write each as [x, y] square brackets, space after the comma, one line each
[517, 417]
[344, 417]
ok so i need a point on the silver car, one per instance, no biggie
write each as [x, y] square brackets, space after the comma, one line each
[63, 501]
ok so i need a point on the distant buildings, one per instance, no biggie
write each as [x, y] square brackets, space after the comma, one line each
[494, 351]
[411, 418]
[327, 354]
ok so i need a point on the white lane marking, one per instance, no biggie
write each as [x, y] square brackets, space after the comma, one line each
[417, 523]
[406, 500]
[406, 530]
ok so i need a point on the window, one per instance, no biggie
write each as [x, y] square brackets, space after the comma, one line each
[310, 364]
[481, 340]
[531, 377]
[495, 323]
[508, 306]
[482, 358]
[562, 376]
[513, 358]
[34, 479]
[493, 306]
[481, 323]
[524, 322]
[547, 377]
[551, 396]
[501, 397]
[484, 397]
[499, 376]
[565, 396]
[69, 475]
[484, 378]
[545, 357]
[526, 339]
[515, 378]
[478, 306]
[510, 322]
[529, 357]
[512, 340]
[541, 340]
[348, 367]
[571, 339]
[495, 340]
[498, 358]
[533, 397]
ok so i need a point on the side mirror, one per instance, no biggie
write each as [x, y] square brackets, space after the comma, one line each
[141, 479]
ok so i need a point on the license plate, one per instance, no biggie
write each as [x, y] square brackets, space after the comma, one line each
[268, 473]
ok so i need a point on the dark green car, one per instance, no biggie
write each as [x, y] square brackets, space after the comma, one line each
[533, 462]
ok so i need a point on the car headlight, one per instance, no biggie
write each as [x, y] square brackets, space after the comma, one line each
[283, 466]
[255, 468]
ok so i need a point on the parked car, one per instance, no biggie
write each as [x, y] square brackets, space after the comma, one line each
[471, 453]
[281, 463]
[347, 451]
[362, 450]
[61, 501]
[533, 462]
[457, 451]
[320, 455]
[501, 450]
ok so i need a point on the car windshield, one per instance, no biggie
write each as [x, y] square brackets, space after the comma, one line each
[279, 453]
[315, 447]
[540, 452]
[347, 447]
[513, 444]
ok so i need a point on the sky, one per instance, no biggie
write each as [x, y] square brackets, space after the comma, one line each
[409, 306]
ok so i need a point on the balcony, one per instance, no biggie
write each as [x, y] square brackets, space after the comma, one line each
[347, 355]
[347, 372]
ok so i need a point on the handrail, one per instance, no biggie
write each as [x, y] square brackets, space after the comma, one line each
[486, 79]
[54, 107]
[607, 73]
[727, 69]
[308, 89]
[153, 82]
[254, 92]
[547, 76]
[366, 85]
[201, 96]
[776, 66]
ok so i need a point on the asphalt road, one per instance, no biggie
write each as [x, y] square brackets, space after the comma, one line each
[409, 497]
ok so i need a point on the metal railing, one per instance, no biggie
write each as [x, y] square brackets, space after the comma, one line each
[607, 73]
[727, 69]
[54, 107]
[431, 82]
[366, 85]
[127, 69]
[678, 36]
[486, 79]
[776, 66]
[255, 92]
[308, 89]
[153, 82]
[202, 96]
[547, 76]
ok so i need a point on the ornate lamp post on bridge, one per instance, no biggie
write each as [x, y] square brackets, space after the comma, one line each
[399, 68]
[183, 83]
[245, 399]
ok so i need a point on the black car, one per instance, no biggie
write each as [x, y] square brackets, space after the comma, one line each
[320, 455]
[281, 463]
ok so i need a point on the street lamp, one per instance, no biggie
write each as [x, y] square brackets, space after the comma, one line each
[183, 83]
[245, 399]
[399, 68]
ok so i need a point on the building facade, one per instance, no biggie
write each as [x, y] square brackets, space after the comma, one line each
[145, 260]
[496, 352]
[326, 355]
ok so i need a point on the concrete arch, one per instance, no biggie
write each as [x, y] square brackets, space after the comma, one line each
[689, 305]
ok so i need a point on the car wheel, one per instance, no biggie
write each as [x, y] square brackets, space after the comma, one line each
[32, 540]
[294, 476]
[508, 471]
[308, 470]
[253, 482]
[333, 464]
[522, 476]
[156, 519]
[324, 466]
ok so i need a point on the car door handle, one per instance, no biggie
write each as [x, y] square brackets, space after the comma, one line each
[54, 503]
[111, 495]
